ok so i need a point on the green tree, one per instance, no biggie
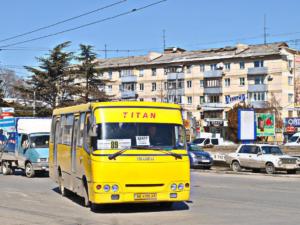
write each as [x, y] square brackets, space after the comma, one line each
[92, 85]
[53, 82]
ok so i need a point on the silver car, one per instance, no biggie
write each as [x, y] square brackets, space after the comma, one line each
[262, 156]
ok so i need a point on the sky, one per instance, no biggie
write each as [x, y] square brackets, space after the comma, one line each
[189, 24]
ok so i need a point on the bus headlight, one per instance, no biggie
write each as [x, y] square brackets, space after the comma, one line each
[180, 187]
[173, 187]
[106, 188]
[115, 188]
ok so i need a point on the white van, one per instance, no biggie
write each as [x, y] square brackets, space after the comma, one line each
[294, 140]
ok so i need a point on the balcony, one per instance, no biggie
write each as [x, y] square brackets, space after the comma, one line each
[175, 75]
[258, 71]
[176, 92]
[257, 88]
[129, 79]
[259, 104]
[212, 105]
[126, 94]
[212, 90]
[213, 73]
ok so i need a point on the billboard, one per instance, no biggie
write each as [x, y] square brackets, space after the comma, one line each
[265, 124]
[246, 125]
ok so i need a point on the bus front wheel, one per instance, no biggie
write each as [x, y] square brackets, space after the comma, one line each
[6, 168]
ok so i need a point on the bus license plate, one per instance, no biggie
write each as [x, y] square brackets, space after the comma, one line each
[145, 196]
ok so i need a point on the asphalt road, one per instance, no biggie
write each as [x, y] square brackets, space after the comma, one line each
[216, 198]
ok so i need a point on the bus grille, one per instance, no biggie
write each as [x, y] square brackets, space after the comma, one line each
[144, 185]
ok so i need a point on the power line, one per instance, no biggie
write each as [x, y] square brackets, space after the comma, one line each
[85, 25]
[63, 21]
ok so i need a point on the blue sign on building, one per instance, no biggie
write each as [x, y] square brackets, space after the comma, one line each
[240, 98]
[292, 121]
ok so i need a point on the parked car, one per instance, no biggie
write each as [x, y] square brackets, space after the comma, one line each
[211, 141]
[198, 157]
[262, 156]
[294, 140]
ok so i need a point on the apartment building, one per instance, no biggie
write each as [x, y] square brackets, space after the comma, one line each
[208, 83]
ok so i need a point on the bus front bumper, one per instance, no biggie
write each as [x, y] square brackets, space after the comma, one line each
[103, 198]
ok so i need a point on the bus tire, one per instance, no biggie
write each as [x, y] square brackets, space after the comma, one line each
[6, 168]
[86, 200]
[29, 171]
[63, 191]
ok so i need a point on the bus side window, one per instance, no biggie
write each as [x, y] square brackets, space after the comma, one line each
[80, 134]
[87, 139]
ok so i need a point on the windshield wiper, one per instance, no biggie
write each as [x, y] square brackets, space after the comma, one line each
[116, 154]
[155, 148]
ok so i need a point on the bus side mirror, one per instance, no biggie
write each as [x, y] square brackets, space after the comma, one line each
[93, 131]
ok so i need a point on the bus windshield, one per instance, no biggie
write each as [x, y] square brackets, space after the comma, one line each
[140, 135]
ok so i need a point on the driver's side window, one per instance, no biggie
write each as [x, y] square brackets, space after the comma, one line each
[25, 142]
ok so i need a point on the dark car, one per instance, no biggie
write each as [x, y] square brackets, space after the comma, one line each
[198, 157]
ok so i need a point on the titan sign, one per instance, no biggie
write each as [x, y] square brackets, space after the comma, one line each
[292, 122]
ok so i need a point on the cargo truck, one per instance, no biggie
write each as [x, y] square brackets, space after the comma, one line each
[24, 144]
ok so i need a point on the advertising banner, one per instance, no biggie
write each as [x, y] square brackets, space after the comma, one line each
[265, 124]
[246, 125]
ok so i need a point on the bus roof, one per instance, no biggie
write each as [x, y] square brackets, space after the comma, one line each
[88, 106]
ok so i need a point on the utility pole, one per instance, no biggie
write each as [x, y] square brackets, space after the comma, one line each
[164, 39]
[34, 99]
[265, 29]
[105, 51]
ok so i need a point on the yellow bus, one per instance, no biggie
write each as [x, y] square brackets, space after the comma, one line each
[120, 152]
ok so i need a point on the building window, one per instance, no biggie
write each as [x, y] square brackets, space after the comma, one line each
[141, 72]
[258, 63]
[153, 70]
[109, 88]
[227, 66]
[290, 113]
[166, 85]
[188, 69]
[189, 84]
[213, 83]
[153, 86]
[141, 99]
[259, 80]
[242, 81]
[190, 100]
[213, 99]
[290, 64]
[290, 98]
[153, 99]
[242, 65]
[257, 96]
[290, 80]
[180, 84]
[202, 99]
[227, 82]
[120, 87]
[126, 73]
[110, 74]
[202, 67]
[213, 66]
[141, 87]
[201, 83]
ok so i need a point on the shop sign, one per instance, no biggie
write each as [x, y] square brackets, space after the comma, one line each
[292, 121]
